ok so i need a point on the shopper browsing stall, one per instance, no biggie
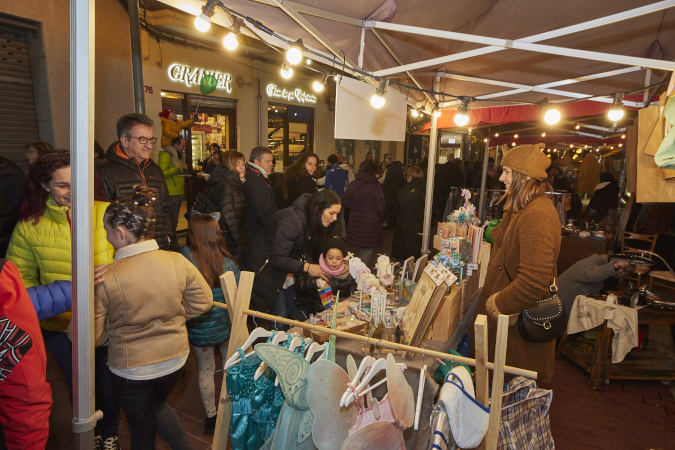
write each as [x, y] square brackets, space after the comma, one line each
[523, 260]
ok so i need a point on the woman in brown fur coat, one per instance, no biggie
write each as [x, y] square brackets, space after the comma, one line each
[527, 243]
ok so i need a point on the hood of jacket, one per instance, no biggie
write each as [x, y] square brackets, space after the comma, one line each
[115, 153]
[221, 173]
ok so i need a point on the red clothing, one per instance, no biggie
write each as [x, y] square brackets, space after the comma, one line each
[25, 395]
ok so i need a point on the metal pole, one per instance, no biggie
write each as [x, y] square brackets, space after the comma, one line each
[431, 170]
[486, 155]
[136, 57]
[82, 247]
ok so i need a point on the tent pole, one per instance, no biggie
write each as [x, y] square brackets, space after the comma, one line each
[82, 244]
[486, 155]
[431, 170]
[136, 57]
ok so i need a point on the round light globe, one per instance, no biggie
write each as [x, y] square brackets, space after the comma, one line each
[202, 23]
[552, 116]
[461, 119]
[377, 101]
[230, 41]
[317, 86]
[294, 55]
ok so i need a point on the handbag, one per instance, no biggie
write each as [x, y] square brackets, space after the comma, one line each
[525, 422]
[545, 320]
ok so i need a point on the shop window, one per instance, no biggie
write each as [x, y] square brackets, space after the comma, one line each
[290, 130]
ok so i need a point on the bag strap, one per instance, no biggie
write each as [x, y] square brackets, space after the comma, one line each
[554, 286]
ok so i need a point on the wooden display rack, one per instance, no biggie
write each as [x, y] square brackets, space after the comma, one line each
[238, 299]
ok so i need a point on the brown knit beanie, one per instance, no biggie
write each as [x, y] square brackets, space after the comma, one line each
[528, 159]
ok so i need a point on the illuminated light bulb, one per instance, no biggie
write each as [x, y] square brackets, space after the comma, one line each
[317, 86]
[460, 119]
[202, 23]
[286, 71]
[437, 113]
[513, 144]
[377, 101]
[552, 116]
[543, 134]
[571, 145]
[579, 150]
[414, 112]
[620, 145]
[294, 53]
[611, 148]
[308, 61]
[485, 140]
[462, 116]
[335, 77]
[623, 136]
[231, 41]
[515, 136]
[616, 111]
[577, 126]
[496, 134]
[597, 150]
[585, 146]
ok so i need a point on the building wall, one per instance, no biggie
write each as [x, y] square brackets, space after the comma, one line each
[113, 87]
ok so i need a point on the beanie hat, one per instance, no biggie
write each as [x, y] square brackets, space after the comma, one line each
[528, 159]
[165, 113]
[335, 243]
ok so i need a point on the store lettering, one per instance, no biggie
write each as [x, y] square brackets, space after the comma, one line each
[295, 95]
[193, 76]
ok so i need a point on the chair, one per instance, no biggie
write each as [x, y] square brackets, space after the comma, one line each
[633, 242]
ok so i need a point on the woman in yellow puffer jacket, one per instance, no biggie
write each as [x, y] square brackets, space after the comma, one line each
[40, 248]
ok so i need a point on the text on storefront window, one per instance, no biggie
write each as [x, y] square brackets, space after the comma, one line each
[193, 76]
[295, 95]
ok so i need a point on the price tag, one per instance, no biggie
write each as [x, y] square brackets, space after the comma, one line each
[472, 267]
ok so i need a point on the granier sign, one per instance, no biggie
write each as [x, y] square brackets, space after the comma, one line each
[193, 76]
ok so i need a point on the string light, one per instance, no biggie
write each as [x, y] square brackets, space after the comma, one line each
[437, 112]
[551, 113]
[496, 134]
[286, 71]
[543, 134]
[414, 112]
[515, 136]
[319, 83]
[577, 126]
[462, 116]
[378, 100]
[294, 53]
[616, 111]
[485, 140]
[231, 40]
[513, 144]
[623, 136]
[203, 21]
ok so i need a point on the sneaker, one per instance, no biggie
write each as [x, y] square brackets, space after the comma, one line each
[112, 443]
[210, 425]
[97, 442]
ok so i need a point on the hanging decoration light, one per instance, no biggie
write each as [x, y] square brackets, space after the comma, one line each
[462, 116]
[515, 136]
[203, 21]
[437, 112]
[378, 100]
[286, 71]
[577, 126]
[543, 134]
[294, 52]
[320, 83]
[616, 111]
[551, 113]
[415, 113]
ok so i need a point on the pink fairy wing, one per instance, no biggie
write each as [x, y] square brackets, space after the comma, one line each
[327, 382]
[381, 435]
[400, 393]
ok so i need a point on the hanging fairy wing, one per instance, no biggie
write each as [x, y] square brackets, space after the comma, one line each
[351, 366]
[291, 369]
[305, 426]
[400, 393]
[381, 435]
[327, 381]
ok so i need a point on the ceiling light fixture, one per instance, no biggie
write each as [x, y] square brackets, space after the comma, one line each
[378, 100]
[616, 111]
[203, 21]
[294, 52]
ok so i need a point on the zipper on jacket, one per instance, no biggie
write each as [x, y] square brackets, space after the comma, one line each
[70, 225]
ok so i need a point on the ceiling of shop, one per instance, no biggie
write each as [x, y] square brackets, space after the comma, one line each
[595, 36]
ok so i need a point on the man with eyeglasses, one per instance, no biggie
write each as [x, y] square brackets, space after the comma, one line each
[129, 165]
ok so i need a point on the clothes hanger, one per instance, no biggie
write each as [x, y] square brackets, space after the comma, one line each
[368, 389]
[256, 334]
[366, 362]
[313, 348]
[378, 366]
[420, 392]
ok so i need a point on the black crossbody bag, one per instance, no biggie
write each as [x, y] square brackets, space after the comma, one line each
[545, 320]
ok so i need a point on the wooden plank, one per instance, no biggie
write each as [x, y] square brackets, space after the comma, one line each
[421, 263]
[418, 303]
[492, 437]
[482, 375]
[237, 299]
[445, 320]
[429, 313]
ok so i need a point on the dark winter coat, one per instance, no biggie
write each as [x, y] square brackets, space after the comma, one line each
[305, 286]
[227, 193]
[119, 176]
[409, 210]
[214, 326]
[11, 183]
[365, 201]
[447, 176]
[527, 244]
[279, 248]
[393, 181]
[304, 185]
[260, 203]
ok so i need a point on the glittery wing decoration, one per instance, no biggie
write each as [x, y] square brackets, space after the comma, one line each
[376, 436]
[291, 369]
[327, 381]
[305, 427]
[400, 393]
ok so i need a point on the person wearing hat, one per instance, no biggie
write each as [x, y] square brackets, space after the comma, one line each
[523, 260]
[171, 128]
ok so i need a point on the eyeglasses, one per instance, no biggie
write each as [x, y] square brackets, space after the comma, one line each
[143, 140]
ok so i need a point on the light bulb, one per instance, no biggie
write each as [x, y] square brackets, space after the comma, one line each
[615, 114]
[414, 113]
[377, 101]
[485, 140]
[231, 41]
[552, 116]
[515, 136]
[437, 113]
[461, 119]
[317, 86]
[202, 23]
[513, 144]
[286, 71]
[543, 134]
[294, 53]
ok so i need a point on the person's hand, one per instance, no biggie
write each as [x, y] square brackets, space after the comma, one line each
[195, 117]
[99, 271]
[314, 270]
[624, 268]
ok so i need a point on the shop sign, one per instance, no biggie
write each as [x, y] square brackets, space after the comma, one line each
[193, 76]
[297, 95]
